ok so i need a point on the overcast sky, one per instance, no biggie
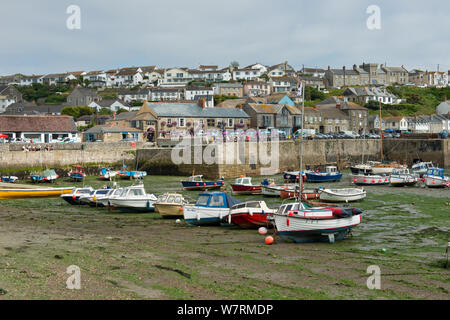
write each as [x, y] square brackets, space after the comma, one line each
[169, 33]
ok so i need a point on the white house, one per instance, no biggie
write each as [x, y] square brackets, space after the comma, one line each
[130, 96]
[196, 93]
[246, 74]
[258, 66]
[113, 105]
[26, 81]
[175, 77]
[96, 78]
[128, 77]
[166, 94]
[210, 75]
[283, 84]
[395, 123]
[366, 94]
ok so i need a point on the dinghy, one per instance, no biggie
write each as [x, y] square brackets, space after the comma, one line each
[77, 173]
[134, 199]
[342, 195]
[210, 208]
[197, 183]
[270, 189]
[170, 205]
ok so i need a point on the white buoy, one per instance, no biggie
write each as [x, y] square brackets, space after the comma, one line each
[262, 231]
[178, 221]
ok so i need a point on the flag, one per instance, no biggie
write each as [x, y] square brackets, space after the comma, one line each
[299, 90]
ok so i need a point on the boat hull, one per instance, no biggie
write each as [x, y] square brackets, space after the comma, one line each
[436, 182]
[253, 221]
[133, 205]
[32, 193]
[334, 196]
[202, 186]
[306, 195]
[268, 191]
[242, 189]
[312, 177]
[169, 210]
[200, 216]
[369, 180]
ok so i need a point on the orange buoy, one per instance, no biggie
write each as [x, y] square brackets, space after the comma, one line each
[269, 240]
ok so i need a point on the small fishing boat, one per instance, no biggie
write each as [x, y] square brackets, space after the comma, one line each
[435, 178]
[270, 188]
[210, 208]
[250, 215]
[73, 197]
[402, 178]
[301, 223]
[361, 168]
[106, 200]
[77, 173]
[9, 179]
[421, 167]
[134, 199]
[330, 175]
[170, 205]
[197, 183]
[93, 199]
[293, 176]
[379, 168]
[126, 174]
[107, 173]
[243, 185]
[19, 193]
[46, 176]
[290, 192]
[342, 195]
[369, 180]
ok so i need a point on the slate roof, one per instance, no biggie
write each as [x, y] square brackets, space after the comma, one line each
[272, 108]
[110, 129]
[37, 124]
[195, 111]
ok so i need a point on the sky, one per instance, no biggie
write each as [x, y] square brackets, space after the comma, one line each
[186, 33]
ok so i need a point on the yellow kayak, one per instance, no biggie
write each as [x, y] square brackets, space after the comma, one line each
[33, 193]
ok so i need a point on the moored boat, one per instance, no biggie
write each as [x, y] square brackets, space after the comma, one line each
[93, 198]
[170, 205]
[77, 173]
[33, 193]
[270, 189]
[329, 175]
[107, 173]
[250, 215]
[421, 167]
[209, 209]
[244, 185]
[134, 199]
[197, 183]
[289, 192]
[9, 179]
[379, 168]
[342, 195]
[402, 178]
[126, 174]
[73, 197]
[46, 176]
[435, 178]
[369, 180]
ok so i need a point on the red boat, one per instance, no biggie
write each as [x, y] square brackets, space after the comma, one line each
[243, 185]
[287, 193]
[250, 215]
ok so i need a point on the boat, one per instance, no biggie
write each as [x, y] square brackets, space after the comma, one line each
[134, 199]
[301, 223]
[93, 198]
[369, 180]
[107, 173]
[250, 215]
[77, 173]
[243, 185]
[330, 175]
[9, 179]
[23, 193]
[46, 176]
[342, 195]
[197, 183]
[361, 168]
[385, 167]
[421, 167]
[289, 192]
[402, 178]
[210, 208]
[106, 200]
[435, 178]
[126, 174]
[73, 197]
[270, 189]
[170, 205]
[293, 176]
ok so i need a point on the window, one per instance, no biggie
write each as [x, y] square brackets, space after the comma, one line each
[181, 122]
[216, 201]
[202, 200]
[284, 117]
[230, 122]
[211, 122]
[267, 121]
[169, 121]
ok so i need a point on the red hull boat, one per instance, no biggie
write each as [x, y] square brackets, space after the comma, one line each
[244, 185]
[306, 194]
[250, 215]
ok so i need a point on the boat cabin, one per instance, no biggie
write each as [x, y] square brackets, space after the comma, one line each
[171, 198]
[215, 200]
[197, 178]
[435, 172]
[243, 181]
[286, 208]
[331, 169]
[251, 204]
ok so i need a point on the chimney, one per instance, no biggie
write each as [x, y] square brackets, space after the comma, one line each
[338, 105]
[202, 103]
[114, 115]
[329, 68]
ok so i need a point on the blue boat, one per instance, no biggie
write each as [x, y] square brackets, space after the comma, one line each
[126, 174]
[210, 209]
[77, 173]
[46, 176]
[330, 175]
[197, 183]
[9, 179]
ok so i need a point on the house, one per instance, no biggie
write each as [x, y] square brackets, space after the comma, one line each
[42, 129]
[166, 94]
[112, 133]
[443, 108]
[283, 84]
[9, 95]
[338, 78]
[111, 104]
[9, 80]
[82, 97]
[88, 119]
[395, 74]
[435, 124]
[395, 123]
[229, 89]
[135, 95]
[175, 77]
[256, 88]
[282, 117]
[122, 119]
[192, 93]
[210, 75]
[418, 124]
[27, 108]
[312, 72]
[128, 77]
[374, 123]
[366, 94]
[27, 81]
[313, 119]
[57, 78]
[145, 120]
[281, 70]
[98, 79]
[258, 66]
[311, 81]
[246, 74]
[436, 79]
[189, 116]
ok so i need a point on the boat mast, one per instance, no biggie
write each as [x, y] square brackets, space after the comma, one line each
[381, 133]
[300, 176]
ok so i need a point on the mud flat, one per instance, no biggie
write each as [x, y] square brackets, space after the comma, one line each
[143, 256]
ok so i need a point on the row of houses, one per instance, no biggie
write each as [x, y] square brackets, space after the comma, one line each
[416, 124]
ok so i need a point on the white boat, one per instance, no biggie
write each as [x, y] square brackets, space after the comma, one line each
[94, 198]
[134, 199]
[421, 168]
[74, 196]
[402, 178]
[369, 180]
[106, 201]
[379, 168]
[342, 195]
[210, 208]
[300, 223]
[434, 178]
